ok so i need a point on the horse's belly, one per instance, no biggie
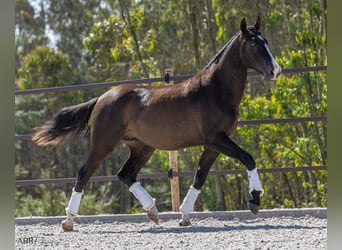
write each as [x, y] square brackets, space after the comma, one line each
[168, 136]
[168, 125]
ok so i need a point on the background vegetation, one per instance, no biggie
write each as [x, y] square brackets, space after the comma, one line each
[67, 42]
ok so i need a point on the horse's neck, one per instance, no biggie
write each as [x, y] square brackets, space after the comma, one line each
[231, 75]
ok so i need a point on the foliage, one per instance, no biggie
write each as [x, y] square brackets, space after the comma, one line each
[100, 40]
[45, 68]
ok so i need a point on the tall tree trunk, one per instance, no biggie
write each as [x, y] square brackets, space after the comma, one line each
[211, 25]
[293, 198]
[127, 19]
[194, 31]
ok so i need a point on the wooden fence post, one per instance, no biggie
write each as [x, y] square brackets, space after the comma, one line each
[173, 164]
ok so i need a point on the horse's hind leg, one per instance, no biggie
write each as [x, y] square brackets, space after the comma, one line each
[101, 144]
[83, 175]
[207, 159]
[139, 155]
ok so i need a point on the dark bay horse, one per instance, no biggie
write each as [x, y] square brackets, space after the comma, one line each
[202, 110]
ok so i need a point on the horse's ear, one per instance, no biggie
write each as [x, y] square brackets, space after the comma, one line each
[243, 25]
[258, 23]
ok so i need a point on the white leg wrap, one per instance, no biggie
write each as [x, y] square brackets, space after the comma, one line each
[189, 200]
[254, 181]
[74, 203]
[142, 195]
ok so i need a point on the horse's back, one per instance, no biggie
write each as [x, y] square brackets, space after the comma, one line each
[166, 117]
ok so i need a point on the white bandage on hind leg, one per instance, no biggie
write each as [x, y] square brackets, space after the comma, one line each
[142, 195]
[189, 200]
[74, 202]
[254, 181]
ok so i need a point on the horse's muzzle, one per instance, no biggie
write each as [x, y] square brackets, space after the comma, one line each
[275, 72]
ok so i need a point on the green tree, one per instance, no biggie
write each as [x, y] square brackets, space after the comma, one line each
[43, 67]
[29, 30]
[70, 22]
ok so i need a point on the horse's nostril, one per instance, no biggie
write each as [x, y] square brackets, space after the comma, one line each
[275, 73]
[272, 74]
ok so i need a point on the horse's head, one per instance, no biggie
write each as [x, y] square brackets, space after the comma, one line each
[255, 53]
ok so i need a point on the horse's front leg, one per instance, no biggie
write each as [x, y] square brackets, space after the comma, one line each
[207, 159]
[231, 149]
[255, 189]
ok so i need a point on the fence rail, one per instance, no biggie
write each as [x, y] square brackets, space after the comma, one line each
[149, 80]
[166, 175]
[242, 123]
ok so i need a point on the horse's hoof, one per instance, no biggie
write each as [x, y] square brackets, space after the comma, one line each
[184, 223]
[153, 215]
[253, 207]
[67, 225]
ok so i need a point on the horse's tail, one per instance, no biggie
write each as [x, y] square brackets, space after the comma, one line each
[68, 123]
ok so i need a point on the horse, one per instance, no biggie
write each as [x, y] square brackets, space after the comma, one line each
[199, 111]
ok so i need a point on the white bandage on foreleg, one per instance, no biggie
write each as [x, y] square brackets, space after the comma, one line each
[189, 200]
[142, 195]
[74, 202]
[254, 181]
